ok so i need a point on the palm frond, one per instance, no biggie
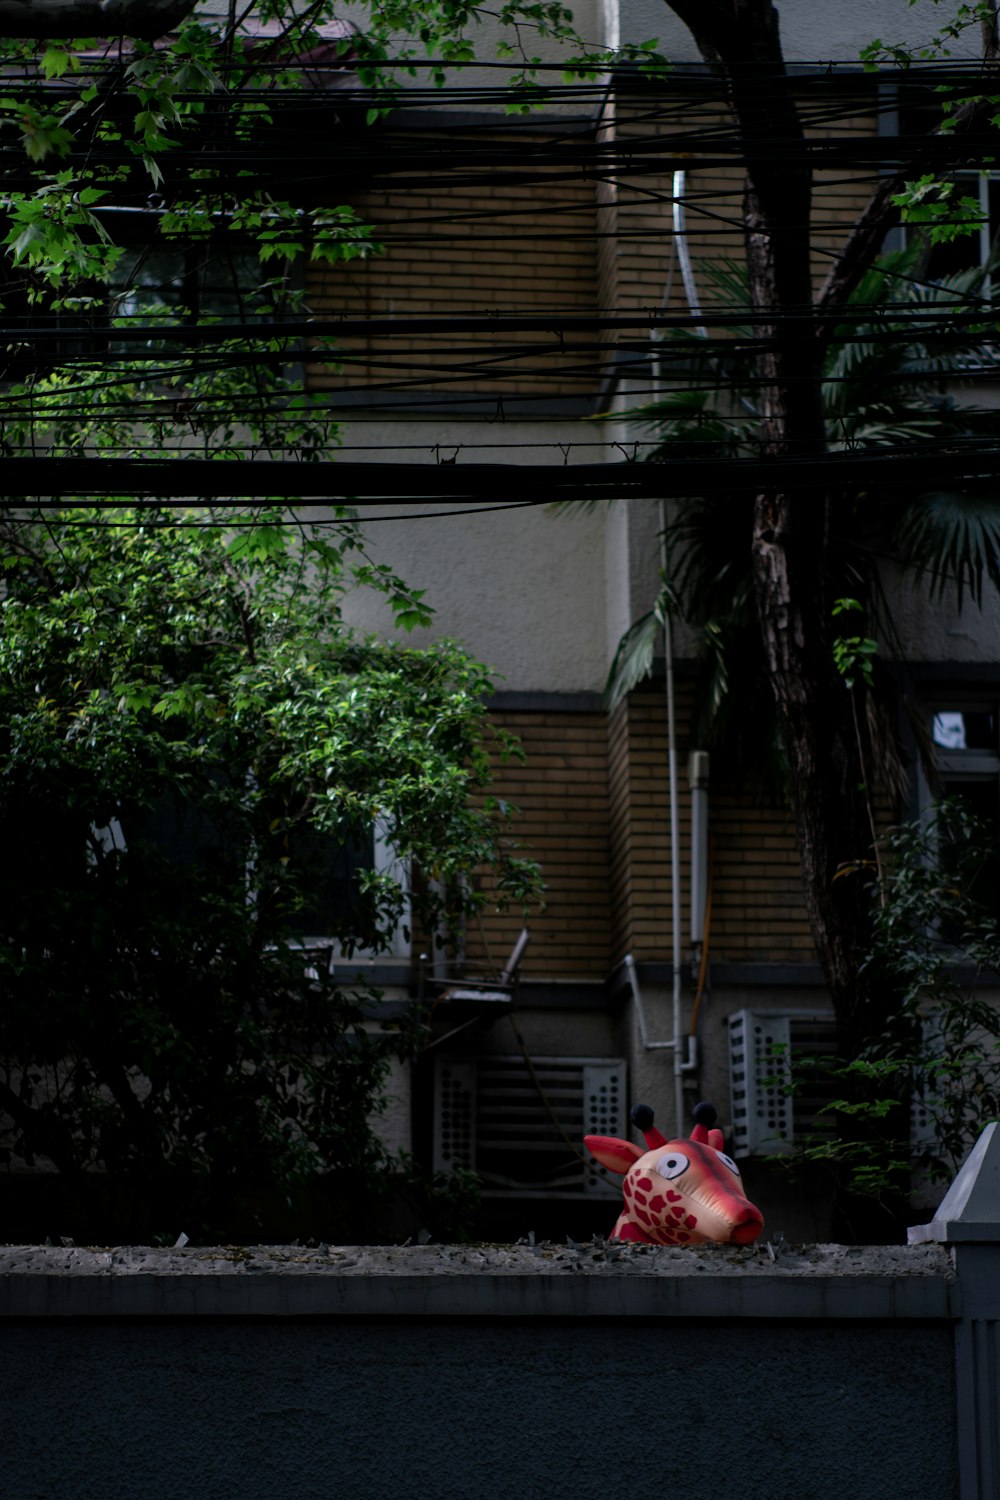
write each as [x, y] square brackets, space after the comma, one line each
[884, 428]
[952, 538]
[633, 661]
[881, 362]
[709, 548]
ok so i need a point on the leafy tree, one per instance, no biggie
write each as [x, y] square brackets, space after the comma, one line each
[188, 727]
[127, 116]
[933, 942]
[193, 748]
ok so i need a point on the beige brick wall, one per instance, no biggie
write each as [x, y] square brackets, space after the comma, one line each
[638, 267]
[758, 913]
[593, 795]
[562, 793]
[518, 247]
[599, 238]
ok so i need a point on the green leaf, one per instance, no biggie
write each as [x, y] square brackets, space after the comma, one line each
[31, 243]
[43, 136]
[56, 60]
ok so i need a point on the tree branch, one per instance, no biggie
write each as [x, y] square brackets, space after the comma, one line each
[880, 214]
[43, 1131]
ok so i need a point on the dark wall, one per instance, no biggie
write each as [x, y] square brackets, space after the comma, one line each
[367, 1410]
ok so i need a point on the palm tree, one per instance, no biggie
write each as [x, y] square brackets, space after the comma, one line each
[901, 349]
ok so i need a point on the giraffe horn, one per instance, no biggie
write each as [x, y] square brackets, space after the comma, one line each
[642, 1119]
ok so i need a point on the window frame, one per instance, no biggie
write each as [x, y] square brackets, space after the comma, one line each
[908, 101]
[385, 861]
[110, 838]
[956, 767]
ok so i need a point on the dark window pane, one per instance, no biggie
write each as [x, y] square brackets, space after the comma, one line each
[982, 796]
[328, 870]
[181, 831]
[196, 280]
[962, 254]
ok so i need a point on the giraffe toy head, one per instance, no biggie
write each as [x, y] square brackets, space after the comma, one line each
[680, 1192]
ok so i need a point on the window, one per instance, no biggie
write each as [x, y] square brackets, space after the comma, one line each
[186, 838]
[330, 870]
[918, 112]
[973, 249]
[965, 734]
[196, 280]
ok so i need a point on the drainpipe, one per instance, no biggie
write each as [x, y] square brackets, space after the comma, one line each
[683, 253]
[697, 771]
[685, 1057]
[682, 1063]
[684, 1048]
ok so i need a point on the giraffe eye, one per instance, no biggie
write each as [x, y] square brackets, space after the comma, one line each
[673, 1165]
[728, 1161]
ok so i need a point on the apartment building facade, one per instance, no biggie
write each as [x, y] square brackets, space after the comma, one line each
[673, 954]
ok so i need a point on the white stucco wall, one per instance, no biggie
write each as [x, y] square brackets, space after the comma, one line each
[936, 630]
[542, 596]
[524, 590]
[809, 29]
[485, 31]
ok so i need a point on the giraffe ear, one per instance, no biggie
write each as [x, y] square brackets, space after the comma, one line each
[613, 1153]
[717, 1140]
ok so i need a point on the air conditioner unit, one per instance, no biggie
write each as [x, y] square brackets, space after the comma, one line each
[767, 1055]
[769, 1116]
[521, 1128]
[927, 1100]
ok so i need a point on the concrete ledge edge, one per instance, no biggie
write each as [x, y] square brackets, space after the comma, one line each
[885, 1283]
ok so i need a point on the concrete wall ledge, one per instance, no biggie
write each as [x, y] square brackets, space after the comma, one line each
[915, 1282]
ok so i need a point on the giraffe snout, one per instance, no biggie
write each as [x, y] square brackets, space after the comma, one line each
[749, 1226]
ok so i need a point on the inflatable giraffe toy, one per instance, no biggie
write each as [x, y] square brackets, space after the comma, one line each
[680, 1192]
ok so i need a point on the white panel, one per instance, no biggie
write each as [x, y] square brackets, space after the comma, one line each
[763, 1049]
[759, 1050]
[522, 1128]
[454, 1116]
[924, 1106]
[603, 1112]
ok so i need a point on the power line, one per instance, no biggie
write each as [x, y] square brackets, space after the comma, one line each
[295, 520]
[231, 483]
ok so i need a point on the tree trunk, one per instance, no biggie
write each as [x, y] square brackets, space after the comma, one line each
[792, 582]
[793, 606]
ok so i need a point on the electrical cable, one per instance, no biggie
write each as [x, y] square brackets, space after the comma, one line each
[423, 365]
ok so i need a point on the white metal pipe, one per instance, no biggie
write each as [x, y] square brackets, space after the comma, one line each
[681, 243]
[690, 1059]
[698, 765]
[640, 1012]
[681, 1064]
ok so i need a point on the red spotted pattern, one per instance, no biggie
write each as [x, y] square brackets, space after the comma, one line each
[657, 1214]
